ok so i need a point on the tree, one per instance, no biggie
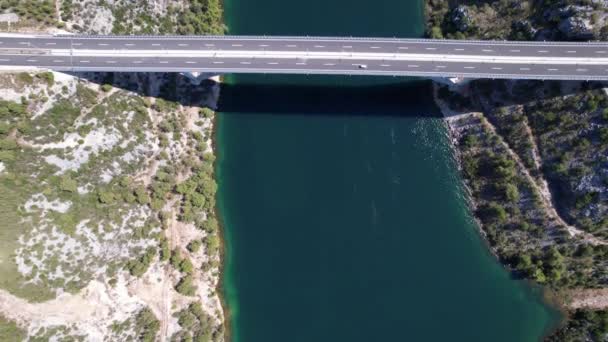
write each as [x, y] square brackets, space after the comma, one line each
[185, 286]
[194, 246]
[68, 184]
[186, 266]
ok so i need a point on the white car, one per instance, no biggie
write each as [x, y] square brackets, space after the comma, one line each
[362, 66]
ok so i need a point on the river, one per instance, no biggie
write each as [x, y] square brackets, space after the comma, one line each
[343, 212]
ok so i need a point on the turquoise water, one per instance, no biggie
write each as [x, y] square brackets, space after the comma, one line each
[343, 212]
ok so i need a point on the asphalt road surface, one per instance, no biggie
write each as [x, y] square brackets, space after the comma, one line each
[309, 55]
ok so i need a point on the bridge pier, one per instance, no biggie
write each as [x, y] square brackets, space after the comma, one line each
[197, 77]
[452, 81]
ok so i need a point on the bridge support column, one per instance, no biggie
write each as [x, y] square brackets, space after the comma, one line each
[197, 77]
[452, 81]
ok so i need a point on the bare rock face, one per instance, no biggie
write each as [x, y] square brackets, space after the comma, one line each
[576, 28]
[461, 18]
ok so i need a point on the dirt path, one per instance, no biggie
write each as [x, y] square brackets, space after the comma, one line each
[595, 299]
[542, 189]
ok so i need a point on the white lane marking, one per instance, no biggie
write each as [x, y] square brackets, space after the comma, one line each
[183, 44]
[76, 44]
[496, 68]
[217, 62]
[102, 44]
[155, 44]
[263, 45]
[553, 69]
[247, 63]
[209, 44]
[319, 46]
[129, 44]
[487, 50]
[543, 51]
[571, 51]
[412, 66]
[291, 45]
[524, 69]
[5, 60]
[58, 61]
[600, 51]
[329, 64]
[31, 60]
[514, 50]
[24, 43]
[374, 47]
[84, 61]
[51, 43]
[347, 47]
[441, 66]
[458, 49]
[403, 48]
[469, 67]
[237, 45]
[385, 65]
[111, 62]
[190, 62]
[431, 48]
[300, 63]
[272, 63]
[583, 70]
[163, 62]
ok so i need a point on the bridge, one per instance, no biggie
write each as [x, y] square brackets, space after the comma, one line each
[307, 55]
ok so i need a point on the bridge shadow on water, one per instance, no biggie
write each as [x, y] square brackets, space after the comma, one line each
[413, 99]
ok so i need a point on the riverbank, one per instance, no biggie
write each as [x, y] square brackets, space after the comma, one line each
[515, 213]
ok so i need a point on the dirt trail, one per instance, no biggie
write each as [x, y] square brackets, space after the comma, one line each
[542, 189]
[595, 299]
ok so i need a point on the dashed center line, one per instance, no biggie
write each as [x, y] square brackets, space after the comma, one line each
[514, 50]
[263, 45]
[543, 51]
[552, 69]
[374, 47]
[102, 44]
[218, 62]
[183, 44]
[84, 61]
[412, 66]
[246, 63]
[5, 60]
[129, 44]
[403, 48]
[51, 43]
[155, 44]
[300, 63]
[58, 61]
[469, 67]
[31, 60]
[385, 65]
[600, 51]
[458, 49]
[431, 48]
[190, 62]
[487, 50]
[163, 62]
[237, 45]
[319, 46]
[329, 64]
[582, 70]
[347, 47]
[272, 63]
[524, 69]
[571, 51]
[441, 67]
[111, 62]
[291, 45]
[496, 68]
[209, 44]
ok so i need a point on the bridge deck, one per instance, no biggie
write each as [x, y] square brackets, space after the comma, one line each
[309, 55]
